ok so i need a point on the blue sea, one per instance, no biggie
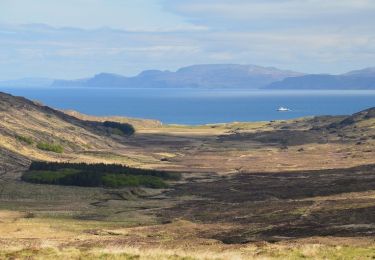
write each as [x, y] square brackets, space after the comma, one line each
[203, 106]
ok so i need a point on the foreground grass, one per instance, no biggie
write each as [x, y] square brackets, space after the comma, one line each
[310, 251]
[30, 237]
[23, 237]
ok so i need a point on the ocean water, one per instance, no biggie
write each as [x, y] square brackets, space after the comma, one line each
[192, 106]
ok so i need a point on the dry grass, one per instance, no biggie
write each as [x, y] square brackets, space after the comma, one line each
[74, 239]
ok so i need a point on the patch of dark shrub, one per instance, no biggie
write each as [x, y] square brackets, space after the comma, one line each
[25, 139]
[119, 128]
[56, 148]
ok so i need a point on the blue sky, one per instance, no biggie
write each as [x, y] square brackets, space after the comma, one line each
[79, 38]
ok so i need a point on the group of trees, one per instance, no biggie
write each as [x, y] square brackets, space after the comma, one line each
[96, 175]
[102, 167]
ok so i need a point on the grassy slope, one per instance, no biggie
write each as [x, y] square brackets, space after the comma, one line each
[80, 140]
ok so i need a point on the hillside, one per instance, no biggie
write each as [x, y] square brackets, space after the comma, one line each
[136, 122]
[24, 125]
[360, 79]
[202, 76]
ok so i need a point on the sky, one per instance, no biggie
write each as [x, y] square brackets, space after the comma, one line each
[79, 38]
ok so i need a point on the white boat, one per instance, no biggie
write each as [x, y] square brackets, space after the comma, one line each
[283, 109]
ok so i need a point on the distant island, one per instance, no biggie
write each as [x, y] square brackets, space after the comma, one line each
[360, 79]
[215, 76]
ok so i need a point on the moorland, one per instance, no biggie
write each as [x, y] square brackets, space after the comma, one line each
[301, 188]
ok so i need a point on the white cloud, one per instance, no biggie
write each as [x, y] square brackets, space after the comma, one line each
[108, 51]
[274, 15]
[306, 35]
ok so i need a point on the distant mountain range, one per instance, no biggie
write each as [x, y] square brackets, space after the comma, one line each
[196, 76]
[215, 77]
